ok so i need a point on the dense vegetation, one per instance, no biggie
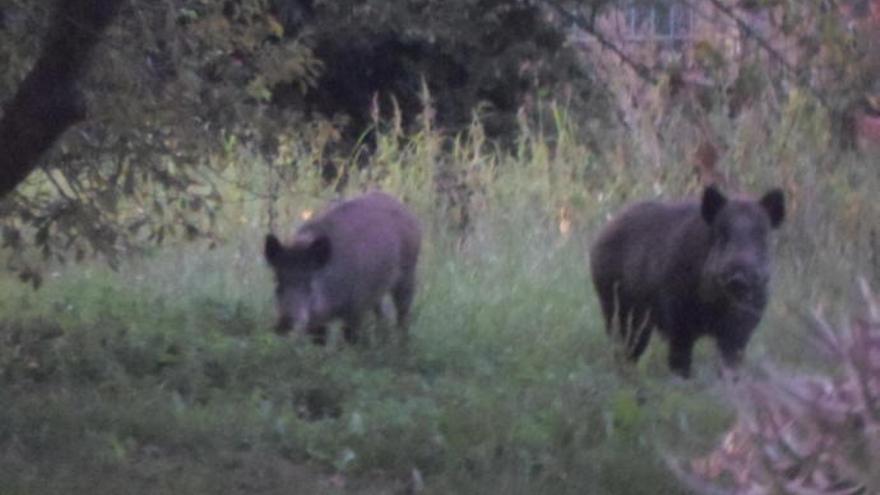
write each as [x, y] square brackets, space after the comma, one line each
[159, 372]
[164, 376]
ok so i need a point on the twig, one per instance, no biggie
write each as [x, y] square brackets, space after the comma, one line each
[765, 45]
[640, 69]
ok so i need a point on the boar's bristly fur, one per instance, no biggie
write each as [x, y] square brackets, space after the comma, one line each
[688, 269]
[342, 263]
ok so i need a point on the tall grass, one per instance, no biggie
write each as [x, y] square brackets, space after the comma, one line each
[164, 376]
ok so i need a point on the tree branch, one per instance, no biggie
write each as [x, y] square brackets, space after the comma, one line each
[48, 102]
[588, 27]
[764, 44]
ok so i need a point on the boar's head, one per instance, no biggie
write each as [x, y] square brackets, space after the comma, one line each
[300, 302]
[737, 268]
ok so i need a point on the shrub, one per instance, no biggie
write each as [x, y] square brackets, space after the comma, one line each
[806, 434]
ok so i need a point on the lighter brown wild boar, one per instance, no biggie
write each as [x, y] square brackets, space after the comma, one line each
[341, 264]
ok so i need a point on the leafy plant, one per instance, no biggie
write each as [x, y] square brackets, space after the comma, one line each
[800, 434]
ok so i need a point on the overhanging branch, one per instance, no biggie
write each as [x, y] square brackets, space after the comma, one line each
[589, 27]
[48, 102]
[764, 44]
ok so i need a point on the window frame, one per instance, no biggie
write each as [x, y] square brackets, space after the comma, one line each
[679, 21]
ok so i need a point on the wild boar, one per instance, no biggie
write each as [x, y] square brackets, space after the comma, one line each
[689, 268]
[343, 262]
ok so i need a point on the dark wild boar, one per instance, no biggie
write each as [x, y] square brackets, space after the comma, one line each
[342, 264]
[689, 268]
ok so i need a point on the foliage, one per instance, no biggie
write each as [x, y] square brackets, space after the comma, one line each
[180, 343]
[493, 57]
[165, 376]
[174, 84]
[180, 85]
[806, 434]
[47, 102]
[177, 85]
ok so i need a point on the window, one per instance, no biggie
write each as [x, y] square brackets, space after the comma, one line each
[658, 20]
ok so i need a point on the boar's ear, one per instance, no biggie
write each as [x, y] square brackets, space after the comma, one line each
[319, 251]
[713, 202]
[273, 249]
[774, 204]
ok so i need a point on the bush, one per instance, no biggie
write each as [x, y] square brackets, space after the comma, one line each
[798, 434]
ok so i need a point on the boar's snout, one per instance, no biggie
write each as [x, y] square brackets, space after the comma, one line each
[742, 281]
[737, 284]
[293, 311]
[739, 280]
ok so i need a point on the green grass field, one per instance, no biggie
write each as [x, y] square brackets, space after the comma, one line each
[165, 377]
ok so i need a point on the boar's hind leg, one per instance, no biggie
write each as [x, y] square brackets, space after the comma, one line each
[628, 324]
[635, 332]
[403, 293]
[383, 321]
[608, 301]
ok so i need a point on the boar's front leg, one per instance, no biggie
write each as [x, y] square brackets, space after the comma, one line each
[732, 337]
[681, 349]
[318, 334]
[351, 328]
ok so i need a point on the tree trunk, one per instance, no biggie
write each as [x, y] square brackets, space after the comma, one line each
[48, 101]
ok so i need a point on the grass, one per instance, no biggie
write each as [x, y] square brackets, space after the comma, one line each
[165, 377]
[507, 384]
